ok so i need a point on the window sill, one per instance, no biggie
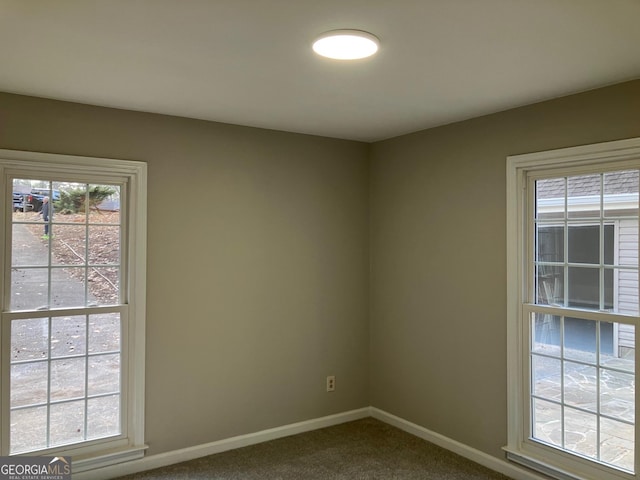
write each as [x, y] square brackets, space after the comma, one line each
[566, 464]
[126, 454]
[526, 461]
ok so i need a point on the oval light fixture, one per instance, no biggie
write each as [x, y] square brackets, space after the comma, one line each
[346, 44]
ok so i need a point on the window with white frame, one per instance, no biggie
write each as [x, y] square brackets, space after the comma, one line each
[73, 293]
[573, 240]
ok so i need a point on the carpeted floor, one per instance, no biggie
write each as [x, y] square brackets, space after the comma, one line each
[359, 450]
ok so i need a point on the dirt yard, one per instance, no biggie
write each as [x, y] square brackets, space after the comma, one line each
[68, 247]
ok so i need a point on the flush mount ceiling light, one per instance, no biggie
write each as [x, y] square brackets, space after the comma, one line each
[346, 44]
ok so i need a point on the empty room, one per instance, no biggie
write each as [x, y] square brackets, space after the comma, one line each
[232, 246]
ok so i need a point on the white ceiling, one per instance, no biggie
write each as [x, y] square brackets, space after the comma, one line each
[250, 62]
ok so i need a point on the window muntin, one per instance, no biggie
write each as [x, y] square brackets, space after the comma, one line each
[65, 380]
[79, 246]
[582, 389]
[93, 444]
[582, 394]
[65, 254]
[582, 266]
[573, 327]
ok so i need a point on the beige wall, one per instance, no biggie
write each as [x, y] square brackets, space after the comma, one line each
[438, 283]
[258, 284]
[257, 264]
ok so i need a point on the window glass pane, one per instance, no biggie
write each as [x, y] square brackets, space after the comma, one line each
[580, 432]
[105, 201]
[580, 386]
[584, 244]
[29, 383]
[583, 196]
[608, 290]
[69, 245]
[29, 339]
[104, 285]
[546, 373]
[550, 285]
[584, 287]
[67, 423]
[68, 287]
[70, 207]
[68, 336]
[28, 198]
[29, 288]
[609, 244]
[103, 416]
[104, 374]
[580, 335]
[617, 443]
[617, 395]
[550, 243]
[104, 333]
[546, 334]
[68, 378]
[27, 249]
[580, 340]
[623, 357]
[550, 199]
[104, 245]
[28, 430]
[104, 198]
[546, 422]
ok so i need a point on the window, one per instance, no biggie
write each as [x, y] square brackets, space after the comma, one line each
[73, 292]
[573, 290]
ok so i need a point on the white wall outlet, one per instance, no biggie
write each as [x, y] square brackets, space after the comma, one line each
[331, 383]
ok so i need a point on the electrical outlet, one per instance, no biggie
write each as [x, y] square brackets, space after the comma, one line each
[331, 383]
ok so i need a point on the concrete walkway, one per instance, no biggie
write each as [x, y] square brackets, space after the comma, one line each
[29, 286]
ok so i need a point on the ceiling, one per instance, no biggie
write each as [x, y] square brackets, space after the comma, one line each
[250, 62]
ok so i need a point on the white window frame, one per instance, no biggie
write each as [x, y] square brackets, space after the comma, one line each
[521, 449]
[130, 445]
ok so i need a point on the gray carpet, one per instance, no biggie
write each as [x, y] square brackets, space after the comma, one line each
[363, 449]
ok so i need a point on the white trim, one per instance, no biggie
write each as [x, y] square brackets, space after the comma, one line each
[470, 453]
[583, 159]
[588, 203]
[198, 451]
[25, 160]
[132, 176]
[191, 453]
[617, 150]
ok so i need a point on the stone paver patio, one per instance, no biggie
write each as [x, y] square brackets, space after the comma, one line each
[581, 391]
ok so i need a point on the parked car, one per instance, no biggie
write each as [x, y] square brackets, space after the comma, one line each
[32, 201]
[22, 202]
[43, 192]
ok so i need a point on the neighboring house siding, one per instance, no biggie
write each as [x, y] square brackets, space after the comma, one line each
[627, 281]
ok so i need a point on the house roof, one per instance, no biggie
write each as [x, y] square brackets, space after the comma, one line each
[589, 185]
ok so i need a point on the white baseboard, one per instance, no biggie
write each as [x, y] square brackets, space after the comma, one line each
[477, 456]
[191, 453]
